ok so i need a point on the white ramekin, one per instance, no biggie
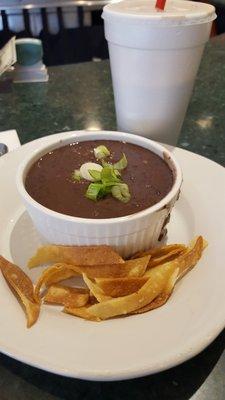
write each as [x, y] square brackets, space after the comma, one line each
[126, 234]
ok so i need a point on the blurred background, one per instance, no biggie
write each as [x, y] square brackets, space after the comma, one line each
[71, 30]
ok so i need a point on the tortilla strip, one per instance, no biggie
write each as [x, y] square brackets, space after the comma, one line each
[117, 287]
[75, 255]
[191, 256]
[160, 251]
[158, 279]
[154, 261]
[50, 274]
[193, 241]
[126, 304]
[133, 268]
[129, 268]
[81, 312]
[23, 288]
[185, 261]
[59, 276]
[96, 291]
[163, 297]
[66, 296]
[156, 303]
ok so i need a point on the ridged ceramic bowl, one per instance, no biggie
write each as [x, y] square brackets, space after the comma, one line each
[127, 234]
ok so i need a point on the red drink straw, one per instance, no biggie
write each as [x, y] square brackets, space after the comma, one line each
[160, 4]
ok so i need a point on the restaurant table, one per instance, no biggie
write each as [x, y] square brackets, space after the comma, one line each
[80, 97]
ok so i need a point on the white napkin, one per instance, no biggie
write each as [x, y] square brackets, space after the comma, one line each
[10, 138]
[7, 55]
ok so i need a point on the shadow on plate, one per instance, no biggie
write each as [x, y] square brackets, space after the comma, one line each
[179, 383]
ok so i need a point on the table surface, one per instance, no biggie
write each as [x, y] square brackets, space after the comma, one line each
[80, 97]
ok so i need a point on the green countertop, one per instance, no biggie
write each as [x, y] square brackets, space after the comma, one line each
[80, 97]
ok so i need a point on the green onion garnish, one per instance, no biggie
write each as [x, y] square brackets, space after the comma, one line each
[121, 164]
[96, 175]
[121, 192]
[101, 152]
[106, 164]
[108, 175]
[95, 191]
[76, 175]
[117, 173]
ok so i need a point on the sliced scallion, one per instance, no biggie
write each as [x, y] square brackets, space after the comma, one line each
[117, 173]
[95, 191]
[96, 175]
[101, 152]
[108, 175]
[121, 192]
[89, 166]
[121, 164]
[76, 175]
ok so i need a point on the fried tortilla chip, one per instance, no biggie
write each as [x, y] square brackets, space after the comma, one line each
[163, 297]
[191, 256]
[52, 274]
[126, 304]
[75, 255]
[66, 296]
[60, 275]
[156, 303]
[96, 291]
[160, 251]
[131, 268]
[205, 243]
[193, 242]
[23, 288]
[185, 261]
[81, 312]
[159, 280]
[117, 287]
[157, 260]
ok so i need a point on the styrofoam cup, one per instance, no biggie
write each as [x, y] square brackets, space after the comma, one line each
[154, 58]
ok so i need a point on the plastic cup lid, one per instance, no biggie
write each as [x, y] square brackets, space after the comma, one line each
[176, 12]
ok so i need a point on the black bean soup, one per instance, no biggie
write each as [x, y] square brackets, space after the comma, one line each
[49, 180]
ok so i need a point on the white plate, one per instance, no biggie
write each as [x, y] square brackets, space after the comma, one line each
[125, 347]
